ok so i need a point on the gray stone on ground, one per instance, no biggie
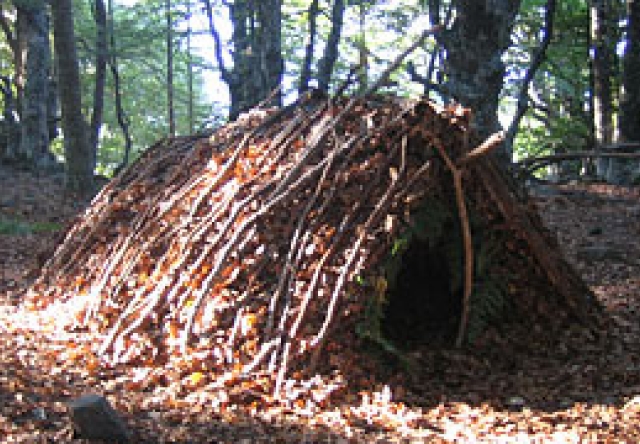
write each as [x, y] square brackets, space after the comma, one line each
[601, 253]
[94, 419]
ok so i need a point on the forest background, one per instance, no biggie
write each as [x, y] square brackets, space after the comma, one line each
[115, 76]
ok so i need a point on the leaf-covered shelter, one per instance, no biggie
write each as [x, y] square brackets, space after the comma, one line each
[288, 238]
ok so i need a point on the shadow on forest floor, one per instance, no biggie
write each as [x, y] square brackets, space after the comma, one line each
[567, 384]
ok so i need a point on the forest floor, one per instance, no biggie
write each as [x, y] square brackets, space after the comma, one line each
[565, 393]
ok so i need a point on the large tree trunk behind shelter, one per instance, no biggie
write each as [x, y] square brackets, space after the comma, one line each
[76, 141]
[257, 57]
[475, 44]
[34, 141]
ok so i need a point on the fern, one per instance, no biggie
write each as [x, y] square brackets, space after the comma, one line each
[489, 299]
[371, 326]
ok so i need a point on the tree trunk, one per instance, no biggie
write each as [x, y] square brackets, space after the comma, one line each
[169, 31]
[34, 142]
[190, 116]
[630, 101]
[257, 54]
[20, 53]
[363, 51]
[76, 141]
[257, 58]
[305, 72]
[537, 58]
[53, 117]
[475, 44]
[629, 122]
[123, 120]
[9, 128]
[14, 31]
[101, 76]
[601, 59]
[328, 60]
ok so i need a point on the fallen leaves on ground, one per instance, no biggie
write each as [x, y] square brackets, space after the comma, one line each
[578, 389]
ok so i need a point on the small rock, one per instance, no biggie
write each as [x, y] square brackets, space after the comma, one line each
[516, 403]
[94, 418]
[598, 253]
[596, 231]
[8, 202]
[40, 414]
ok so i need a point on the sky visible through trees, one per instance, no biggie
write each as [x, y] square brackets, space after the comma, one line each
[213, 81]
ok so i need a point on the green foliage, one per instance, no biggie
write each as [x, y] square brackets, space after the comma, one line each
[435, 224]
[19, 227]
[558, 120]
[427, 225]
[370, 328]
[388, 27]
[140, 32]
[489, 299]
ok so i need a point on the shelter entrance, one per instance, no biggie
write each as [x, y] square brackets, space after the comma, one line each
[422, 306]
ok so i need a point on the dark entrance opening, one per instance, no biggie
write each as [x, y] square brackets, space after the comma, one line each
[423, 307]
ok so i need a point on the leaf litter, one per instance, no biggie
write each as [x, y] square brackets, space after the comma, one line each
[573, 389]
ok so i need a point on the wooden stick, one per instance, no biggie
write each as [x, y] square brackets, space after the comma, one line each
[534, 163]
[486, 147]
[466, 238]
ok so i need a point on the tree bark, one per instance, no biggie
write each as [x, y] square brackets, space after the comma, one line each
[101, 76]
[34, 141]
[363, 51]
[630, 101]
[17, 43]
[10, 129]
[330, 55]
[16, 33]
[257, 53]
[305, 72]
[76, 141]
[190, 115]
[170, 108]
[475, 44]
[601, 60]
[629, 118]
[537, 59]
[121, 115]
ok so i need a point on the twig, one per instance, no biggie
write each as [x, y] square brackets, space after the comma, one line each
[534, 163]
[466, 238]
[483, 149]
[382, 204]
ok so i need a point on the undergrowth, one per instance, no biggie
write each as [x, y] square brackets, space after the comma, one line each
[16, 227]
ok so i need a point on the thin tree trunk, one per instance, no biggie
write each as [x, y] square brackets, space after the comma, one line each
[437, 55]
[629, 123]
[305, 72]
[268, 37]
[101, 76]
[190, 70]
[123, 120]
[53, 113]
[630, 101]
[20, 56]
[76, 140]
[10, 128]
[601, 60]
[169, 31]
[328, 60]
[16, 37]
[537, 59]
[363, 51]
